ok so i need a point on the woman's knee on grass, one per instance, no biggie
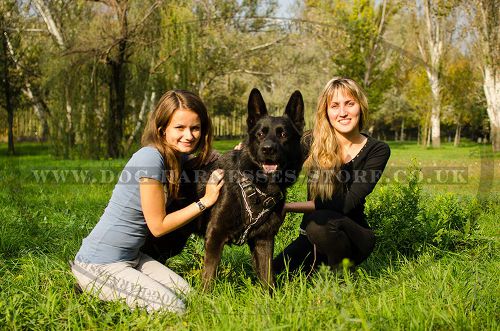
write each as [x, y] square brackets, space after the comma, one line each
[114, 282]
[332, 242]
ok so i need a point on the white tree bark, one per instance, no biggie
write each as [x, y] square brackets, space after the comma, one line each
[39, 107]
[491, 86]
[372, 55]
[140, 118]
[432, 55]
[436, 108]
[53, 29]
[489, 28]
[44, 11]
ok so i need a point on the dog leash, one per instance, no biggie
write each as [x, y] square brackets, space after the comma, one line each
[248, 190]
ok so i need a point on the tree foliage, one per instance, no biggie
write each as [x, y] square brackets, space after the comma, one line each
[85, 74]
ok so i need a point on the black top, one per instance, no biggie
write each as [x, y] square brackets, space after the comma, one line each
[357, 179]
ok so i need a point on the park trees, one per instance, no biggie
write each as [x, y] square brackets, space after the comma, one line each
[91, 71]
[115, 57]
[219, 49]
[435, 23]
[83, 55]
[353, 32]
[120, 25]
[461, 93]
[22, 55]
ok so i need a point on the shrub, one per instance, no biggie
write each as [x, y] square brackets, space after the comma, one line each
[393, 212]
[451, 220]
[406, 220]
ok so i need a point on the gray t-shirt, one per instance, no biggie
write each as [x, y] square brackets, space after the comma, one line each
[122, 229]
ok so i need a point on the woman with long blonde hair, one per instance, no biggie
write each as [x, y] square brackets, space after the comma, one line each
[343, 167]
[110, 262]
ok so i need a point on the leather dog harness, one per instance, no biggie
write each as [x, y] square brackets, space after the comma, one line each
[258, 205]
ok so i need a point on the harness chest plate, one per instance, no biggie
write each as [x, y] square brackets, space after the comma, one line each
[257, 206]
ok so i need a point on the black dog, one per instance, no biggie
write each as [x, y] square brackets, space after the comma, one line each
[253, 195]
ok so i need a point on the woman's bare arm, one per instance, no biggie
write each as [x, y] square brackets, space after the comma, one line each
[153, 205]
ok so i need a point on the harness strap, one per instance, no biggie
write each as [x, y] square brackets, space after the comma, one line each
[261, 200]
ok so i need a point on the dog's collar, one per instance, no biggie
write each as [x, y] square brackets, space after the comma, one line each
[257, 205]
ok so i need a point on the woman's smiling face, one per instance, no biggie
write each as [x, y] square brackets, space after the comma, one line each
[184, 131]
[344, 113]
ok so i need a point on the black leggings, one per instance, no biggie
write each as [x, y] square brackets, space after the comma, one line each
[330, 238]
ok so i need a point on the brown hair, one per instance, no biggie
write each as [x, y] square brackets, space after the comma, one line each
[325, 156]
[160, 118]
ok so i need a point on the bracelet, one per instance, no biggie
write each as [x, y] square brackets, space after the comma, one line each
[201, 205]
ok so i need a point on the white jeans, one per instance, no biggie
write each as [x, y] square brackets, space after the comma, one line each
[143, 282]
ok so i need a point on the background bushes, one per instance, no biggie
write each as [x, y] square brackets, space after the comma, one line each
[406, 219]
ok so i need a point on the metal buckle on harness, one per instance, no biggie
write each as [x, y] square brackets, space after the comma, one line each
[269, 202]
[247, 187]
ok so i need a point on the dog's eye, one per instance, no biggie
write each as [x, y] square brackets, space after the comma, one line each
[283, 134]
[260, 134]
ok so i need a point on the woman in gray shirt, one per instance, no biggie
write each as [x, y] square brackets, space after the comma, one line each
[109, 262]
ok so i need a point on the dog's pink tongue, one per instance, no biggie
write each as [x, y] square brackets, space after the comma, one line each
[269, 167]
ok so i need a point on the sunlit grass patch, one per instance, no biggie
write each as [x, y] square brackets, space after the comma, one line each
[438, 287]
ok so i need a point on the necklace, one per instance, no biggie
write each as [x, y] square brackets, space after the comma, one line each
[353, 149]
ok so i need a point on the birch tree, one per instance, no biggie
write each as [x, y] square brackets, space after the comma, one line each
[433, 35]
[488, 14]
[15, 52]
[54, 29]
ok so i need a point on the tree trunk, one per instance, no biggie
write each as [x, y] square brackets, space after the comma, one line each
[54, 30]
[70, 133]
[495, 137]
[116, 110]
[458, 131]
[39, 107]
[489, 28]
[402, 135]
[432, 55]
[369, 61]
[140, 118]
[436, 111]
[8, 100]
[491, 86]
[418, 134]
[117, 63]
[428, 135]
[44, 11]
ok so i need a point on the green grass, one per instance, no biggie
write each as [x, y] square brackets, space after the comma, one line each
[42, 226]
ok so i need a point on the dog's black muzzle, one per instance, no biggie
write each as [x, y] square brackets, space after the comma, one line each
[268, 149]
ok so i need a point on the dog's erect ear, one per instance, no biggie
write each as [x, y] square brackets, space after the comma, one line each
[256, 108]
[295, 111]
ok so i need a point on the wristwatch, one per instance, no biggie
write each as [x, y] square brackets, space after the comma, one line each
[201, 205]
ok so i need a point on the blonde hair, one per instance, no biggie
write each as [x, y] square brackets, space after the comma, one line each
[325, 156]
[158, 121]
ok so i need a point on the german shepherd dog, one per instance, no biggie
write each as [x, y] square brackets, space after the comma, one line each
[250, 202]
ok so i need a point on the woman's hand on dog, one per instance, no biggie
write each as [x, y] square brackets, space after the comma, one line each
[238, 147]
[297, 207]
[214, 185]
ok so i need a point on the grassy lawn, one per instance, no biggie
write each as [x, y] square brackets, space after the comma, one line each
[436, 287]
